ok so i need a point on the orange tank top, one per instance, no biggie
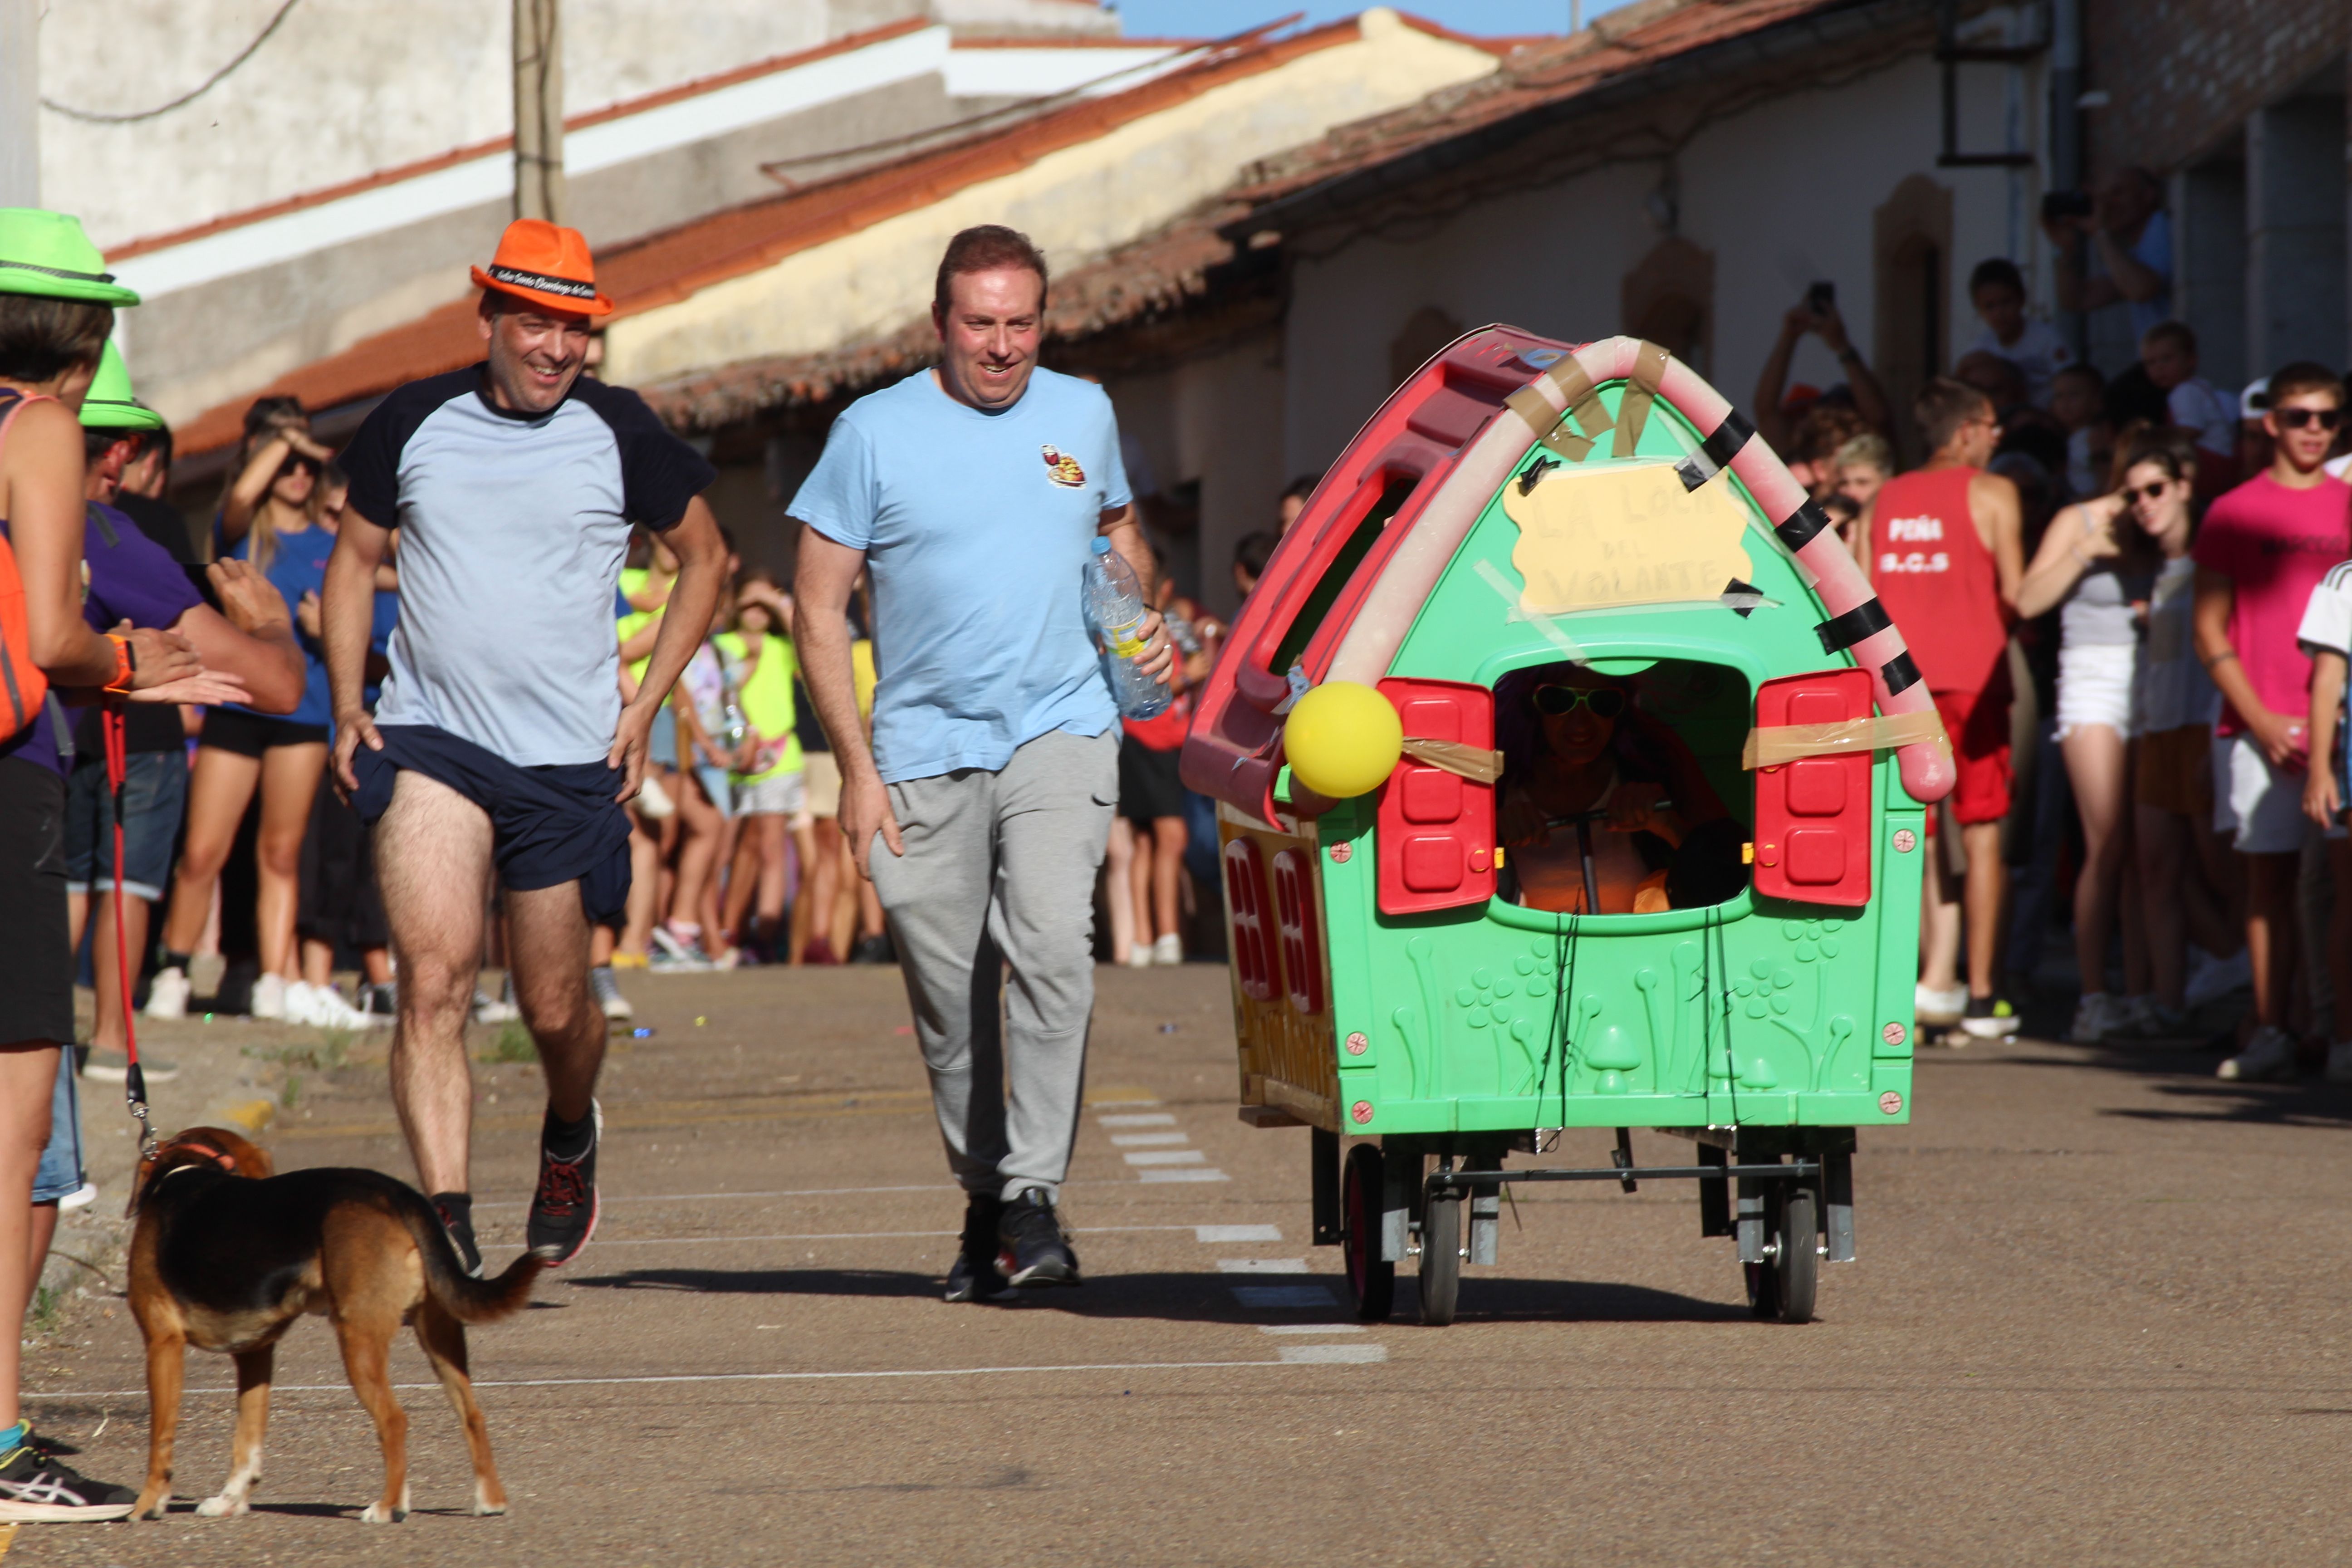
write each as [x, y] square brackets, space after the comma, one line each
[1936, 577]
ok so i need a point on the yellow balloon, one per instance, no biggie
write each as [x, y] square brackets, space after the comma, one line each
[1342, 739]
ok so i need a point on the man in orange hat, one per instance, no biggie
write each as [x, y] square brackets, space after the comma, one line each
[501, 738]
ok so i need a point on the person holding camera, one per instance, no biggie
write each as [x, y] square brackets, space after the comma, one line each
[1816, 313]
[2129, 237]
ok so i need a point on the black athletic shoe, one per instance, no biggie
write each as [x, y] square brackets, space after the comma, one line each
[563, 1209]
[1036, 1251]
[874, 950]
[35, 1488]
[460, 1228]
[972, 1277]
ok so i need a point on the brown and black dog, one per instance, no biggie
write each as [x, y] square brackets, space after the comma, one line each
[226, 1256]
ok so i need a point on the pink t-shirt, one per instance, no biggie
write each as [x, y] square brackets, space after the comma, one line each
[2274, 544]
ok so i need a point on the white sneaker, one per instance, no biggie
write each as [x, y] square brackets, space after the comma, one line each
[269, 997]
[1929, 1005]
[1139, 956]
[301, 1002]
[488, 1010]
[2210, 977]
[167, 994]
[2339, 1062]
[2097, 1017]
[1169, 949]
[2269, 1055]
[615, 1006]
[325, 1008]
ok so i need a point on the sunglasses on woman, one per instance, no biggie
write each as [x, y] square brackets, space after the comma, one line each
[2296, 419]
[1604, 702]
[298, 461]
[2147, 492]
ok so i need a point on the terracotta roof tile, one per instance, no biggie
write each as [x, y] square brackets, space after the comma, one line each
[672, 265]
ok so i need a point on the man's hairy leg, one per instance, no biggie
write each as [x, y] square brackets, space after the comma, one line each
[547, 948]
[432, 856]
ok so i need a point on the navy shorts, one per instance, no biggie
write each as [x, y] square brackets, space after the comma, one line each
[549, 826]
[154, 794]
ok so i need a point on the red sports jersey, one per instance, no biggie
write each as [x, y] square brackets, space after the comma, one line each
[1936, 577]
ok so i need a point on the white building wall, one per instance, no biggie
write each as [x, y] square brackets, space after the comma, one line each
[1781, 195]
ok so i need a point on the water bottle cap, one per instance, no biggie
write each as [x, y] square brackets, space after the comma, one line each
[1102, 545]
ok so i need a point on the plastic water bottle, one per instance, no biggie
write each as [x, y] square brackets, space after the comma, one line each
[1114, 604]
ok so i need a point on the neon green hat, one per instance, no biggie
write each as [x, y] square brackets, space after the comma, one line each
[46, 253]
[108, 405]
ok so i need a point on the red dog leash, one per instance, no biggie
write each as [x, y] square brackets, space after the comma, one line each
[134, 1082]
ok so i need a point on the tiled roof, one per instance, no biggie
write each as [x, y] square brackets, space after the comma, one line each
[674, 264]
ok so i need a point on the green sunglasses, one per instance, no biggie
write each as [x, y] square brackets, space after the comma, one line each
[1606, 701]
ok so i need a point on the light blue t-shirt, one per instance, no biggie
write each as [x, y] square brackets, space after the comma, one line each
[976, 528]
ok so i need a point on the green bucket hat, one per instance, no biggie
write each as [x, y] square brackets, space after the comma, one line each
[108, 405]
[46, 253]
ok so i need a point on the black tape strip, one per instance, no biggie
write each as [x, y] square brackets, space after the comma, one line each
[1899, 673]
[1728, 438]
[1866, 619]
[1692, 472]
[1798, 529]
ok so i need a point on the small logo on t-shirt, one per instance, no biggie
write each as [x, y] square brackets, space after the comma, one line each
[1063, 468]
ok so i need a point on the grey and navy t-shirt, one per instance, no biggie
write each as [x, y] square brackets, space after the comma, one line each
[512, 530]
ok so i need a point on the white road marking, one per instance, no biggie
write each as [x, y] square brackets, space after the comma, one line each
[1210, 1174]
[1157, 1119]
[1271, 1234]
[344, 1388]
[1219, 1233]
[1144, 1139]
[1167, 1157]
[1326, 1355]
[1284, 1296]
[610, 1199]
[1262, 1266]
[1301, 1328]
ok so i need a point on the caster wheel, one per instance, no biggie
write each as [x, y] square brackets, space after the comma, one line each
[1780, 1289]
[1440, 1261]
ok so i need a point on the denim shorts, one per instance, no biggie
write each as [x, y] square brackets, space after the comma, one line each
[60, 1173]
[155, 794]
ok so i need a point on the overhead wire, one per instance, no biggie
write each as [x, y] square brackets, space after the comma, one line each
[95, 117]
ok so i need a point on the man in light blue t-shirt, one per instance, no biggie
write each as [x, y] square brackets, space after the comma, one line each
[974, 494]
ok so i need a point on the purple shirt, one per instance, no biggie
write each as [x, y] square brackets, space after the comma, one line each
[131, 577]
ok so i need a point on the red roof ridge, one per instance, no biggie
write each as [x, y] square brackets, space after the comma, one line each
[845, 44]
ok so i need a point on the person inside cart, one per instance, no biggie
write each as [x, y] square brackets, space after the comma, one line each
[1586, 768]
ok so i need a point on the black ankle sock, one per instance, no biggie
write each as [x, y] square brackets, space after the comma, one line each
[567, 1139]
[178, 960]
[459, 1207]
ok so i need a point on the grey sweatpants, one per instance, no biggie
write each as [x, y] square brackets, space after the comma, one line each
[1000, 871]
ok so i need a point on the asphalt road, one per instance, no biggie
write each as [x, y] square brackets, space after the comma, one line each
[2097, 1318]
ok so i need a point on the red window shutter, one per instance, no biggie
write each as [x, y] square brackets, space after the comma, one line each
[1436, 829]
[1812, 815]
[1302, 939]
[1245, 901]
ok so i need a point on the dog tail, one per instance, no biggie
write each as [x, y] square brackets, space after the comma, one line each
[465, 1298]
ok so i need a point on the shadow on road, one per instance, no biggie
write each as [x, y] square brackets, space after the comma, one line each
[1199, 1298]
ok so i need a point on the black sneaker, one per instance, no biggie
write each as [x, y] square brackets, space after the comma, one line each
[1035, 1252]
[1989, 1018]
[37, 1488]
[874, 950]
[563, 1209]
[460, 1228]
[972, 1277]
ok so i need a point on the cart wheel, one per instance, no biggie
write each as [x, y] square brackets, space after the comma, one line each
[1782, 1290]
[1371, 1278]
[1440, 1260]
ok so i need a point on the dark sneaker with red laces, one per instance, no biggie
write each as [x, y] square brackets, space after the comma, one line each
[972, 1277]
[563, 1209]
[37, 1487]
[1035, 1249]
[459, 1224]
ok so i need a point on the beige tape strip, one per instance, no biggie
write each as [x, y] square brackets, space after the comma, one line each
[1476, 764]
[1634, 410]
[1769, 745]
[1533, 411]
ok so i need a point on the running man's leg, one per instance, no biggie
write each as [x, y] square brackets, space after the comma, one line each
[937, 897]
[547, 951]
[432, 852]
[1054, 809]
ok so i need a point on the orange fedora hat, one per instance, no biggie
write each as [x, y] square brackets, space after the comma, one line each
[546, 264]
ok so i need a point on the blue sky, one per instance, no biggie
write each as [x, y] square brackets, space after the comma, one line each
[1215, 18]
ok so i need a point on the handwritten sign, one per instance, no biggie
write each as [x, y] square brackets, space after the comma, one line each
[1626, 534]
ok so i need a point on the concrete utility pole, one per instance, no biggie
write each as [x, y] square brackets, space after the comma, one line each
[538, 109]
[20, 103]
